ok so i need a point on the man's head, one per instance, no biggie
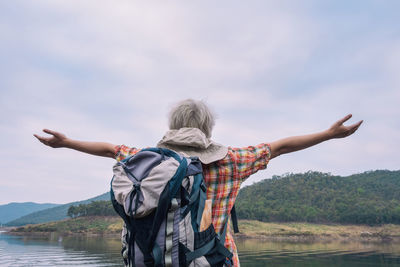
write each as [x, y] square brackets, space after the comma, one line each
[194, 114]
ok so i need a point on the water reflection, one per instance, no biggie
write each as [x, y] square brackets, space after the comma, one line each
[56, 251]
[261, 253]
[105, 251]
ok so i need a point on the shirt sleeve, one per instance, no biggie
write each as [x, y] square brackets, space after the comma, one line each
[249, 160]
[123, 151]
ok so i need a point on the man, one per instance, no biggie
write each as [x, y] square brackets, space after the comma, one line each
[225, 168]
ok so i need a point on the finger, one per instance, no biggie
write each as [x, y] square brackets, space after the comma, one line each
[345, 118]
[50, 132]
[356, 125]
[42, 139]
[38, 137]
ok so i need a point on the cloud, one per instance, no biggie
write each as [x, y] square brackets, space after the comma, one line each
[98, 70]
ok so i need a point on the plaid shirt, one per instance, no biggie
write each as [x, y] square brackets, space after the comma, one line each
[223, 179]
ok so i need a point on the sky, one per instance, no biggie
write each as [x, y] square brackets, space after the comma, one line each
[111, 70]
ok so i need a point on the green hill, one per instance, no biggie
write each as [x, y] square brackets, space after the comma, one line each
[12, 211]
[368, 198]
[53, 214]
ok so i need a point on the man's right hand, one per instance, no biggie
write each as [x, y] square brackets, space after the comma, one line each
[56, 140]
[94, 148]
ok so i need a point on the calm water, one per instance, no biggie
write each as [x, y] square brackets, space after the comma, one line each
[74, 251]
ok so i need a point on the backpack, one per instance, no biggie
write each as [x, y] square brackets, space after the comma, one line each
[161, 196]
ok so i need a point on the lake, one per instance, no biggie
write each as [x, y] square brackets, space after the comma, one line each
[100, 251]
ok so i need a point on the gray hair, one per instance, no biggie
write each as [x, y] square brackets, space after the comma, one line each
[194, 114]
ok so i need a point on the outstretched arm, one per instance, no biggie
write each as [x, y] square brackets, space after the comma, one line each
[60, 140]
[295, 143]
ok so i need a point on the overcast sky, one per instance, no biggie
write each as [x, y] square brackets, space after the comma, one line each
[110, 71]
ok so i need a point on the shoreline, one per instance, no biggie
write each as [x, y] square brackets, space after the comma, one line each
[249, 229]
[63, 234]
[239, 236]
[318, 238]
[309, 232]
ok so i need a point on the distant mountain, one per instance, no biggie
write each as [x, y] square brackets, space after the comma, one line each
[53, 214]
[12, 211]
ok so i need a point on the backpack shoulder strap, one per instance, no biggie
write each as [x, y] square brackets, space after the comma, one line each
[234, 224]
[234, 220]
[165, 199]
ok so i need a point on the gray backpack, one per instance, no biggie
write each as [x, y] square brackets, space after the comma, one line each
[161, 196]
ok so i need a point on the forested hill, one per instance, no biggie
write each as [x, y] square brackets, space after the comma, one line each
[368, 198]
